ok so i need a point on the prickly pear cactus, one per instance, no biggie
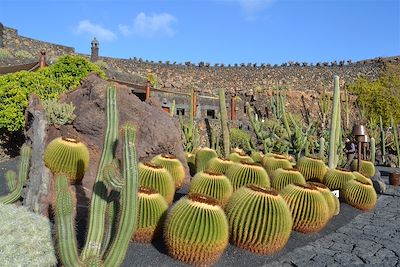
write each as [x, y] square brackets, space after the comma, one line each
[151, 215]
[272, 162]
[157, 178]
[203, 155]
[336, 178]
[196, 230]
[331, 200]
[219, 165]
[359, 194]
[213, 185]
[239, 157]
[312, 168]
[242, 173]
[259, 219]
[282, 177]
[68, 156]
[173, 165]
[367, 167]
[309, 209]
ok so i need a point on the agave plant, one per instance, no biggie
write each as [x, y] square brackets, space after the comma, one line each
[259, 219]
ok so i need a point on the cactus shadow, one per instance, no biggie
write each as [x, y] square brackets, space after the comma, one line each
[82, 212]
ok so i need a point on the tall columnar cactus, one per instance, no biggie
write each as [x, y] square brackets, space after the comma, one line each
[212, 185]
[11, 178]
[280, 178]
[151, 215]
[359, 195]
[203, 155]
[335, 125]
[335, 179]
[224, 122]
[324, 105]
[22, 177]
[259, 219]
[373, 150]
[238, 157]
[396, 139]
[242, 173]
[312, 168]
[157, 178]
[321, 153]
[68, 156]
[172, 110]
[112, 177]
[196, 230]
[174, 166]
[274, 162]
[331, 200]
[367, 167]
[383, 140]
[219, 165]
[308, 206]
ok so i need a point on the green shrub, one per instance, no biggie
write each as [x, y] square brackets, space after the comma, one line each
[59, 113]
[4, 53]
[24, 54]
[241, 139]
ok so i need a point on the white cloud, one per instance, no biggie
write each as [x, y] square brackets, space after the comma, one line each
[150, 25]
[95, 30]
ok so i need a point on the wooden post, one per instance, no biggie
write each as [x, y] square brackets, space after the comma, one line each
[147, 90]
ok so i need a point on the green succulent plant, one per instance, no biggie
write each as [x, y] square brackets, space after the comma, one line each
[256, 156]
[191, 160]
[282, 177]
[331, 200]
[213, 185]
[68, 156]
[243, 173]
[11, 178]
[174, 166]
[360, 177]
[335, 179]
[259, 219]
[203, 155]
[359, 194]
[219, 165]
[273, 162]
[309, 209]
[240, 157]
[312, 168]
[367, 167]
[196, 230]
[151, 215]
[157, 178]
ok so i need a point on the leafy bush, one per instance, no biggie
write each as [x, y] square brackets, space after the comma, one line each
[24, 54]
[59, 113]
[4, 53]
[241, 139]
[47, 83]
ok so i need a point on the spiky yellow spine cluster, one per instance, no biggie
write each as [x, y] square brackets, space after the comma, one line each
[68, 156]
[196, 230]
[203, 155]
[282, 177]
[367, 167]
[259, 219]
[360, 195]
[151, 215]
[331, 200]
[240, 157]
[173, 165]
[312, 168]
[213, 185]
[337, 178]
[157, 178]
[241, 174]
[308, 206]
[274, 161]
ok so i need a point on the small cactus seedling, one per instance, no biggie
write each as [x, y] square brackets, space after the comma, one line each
[282, 177]
[151, 215]
[213, 185]
[273, 162]
[240, 157]
[219, 165]
[367, 167]
[242, 173]
[196, 230]
[259, 219]
[312, 168]
[358, 194]
[68, 156]
[203, 155]
[308, 206]
[157, 178]
[335, 179]
[173, 165]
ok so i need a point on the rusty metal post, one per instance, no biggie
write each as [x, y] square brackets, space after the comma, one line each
[147, 90]
[42, 60]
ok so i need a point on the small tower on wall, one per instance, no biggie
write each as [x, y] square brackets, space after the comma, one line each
[94, 56]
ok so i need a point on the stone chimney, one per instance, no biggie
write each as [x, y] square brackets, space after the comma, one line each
[95, 50]
[1, 35]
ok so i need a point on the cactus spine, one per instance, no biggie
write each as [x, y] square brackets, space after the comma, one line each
[335, 125]
[373, 150]
[224, 122]
[259, 219]
[22, 177]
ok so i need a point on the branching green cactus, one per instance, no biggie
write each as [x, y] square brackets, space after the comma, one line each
[203, 155]
[212, 185]
[359, 195]
[196, 230]
[259, 219]
[331, 200]
[219, 165]
[280, 178]
[157, 178]
[242, 173]
[152, 212]
[312, 168]
[367, 167]
[335, 179]
[173, 165]
[239, 157]
[308, 206]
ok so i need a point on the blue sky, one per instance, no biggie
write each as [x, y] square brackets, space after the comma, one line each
[215, 31]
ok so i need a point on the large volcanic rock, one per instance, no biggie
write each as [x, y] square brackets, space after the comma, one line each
[156, 131]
